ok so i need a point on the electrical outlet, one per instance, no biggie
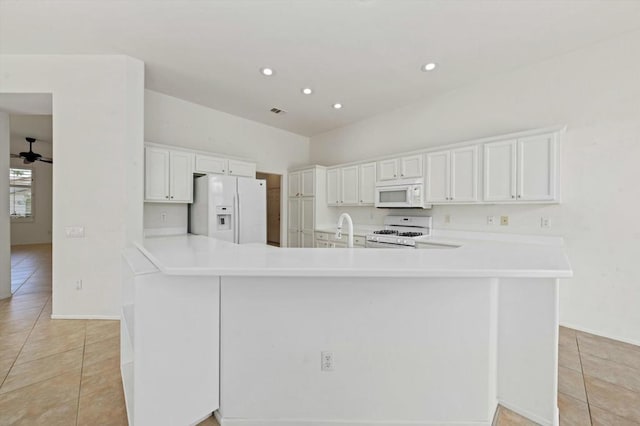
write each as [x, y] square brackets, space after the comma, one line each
[326, 361]
[545, 222]
[504, 220]
[79, 285]
[163, 216]
[447, 219]
[491, 220]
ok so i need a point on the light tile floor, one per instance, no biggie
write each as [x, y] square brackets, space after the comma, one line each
[66, 372]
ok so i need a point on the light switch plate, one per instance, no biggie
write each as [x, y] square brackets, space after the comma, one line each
[74, 231]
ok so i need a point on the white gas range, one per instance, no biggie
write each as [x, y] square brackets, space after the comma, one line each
[400, 232]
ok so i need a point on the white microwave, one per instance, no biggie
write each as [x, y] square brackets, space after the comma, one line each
[400, 195]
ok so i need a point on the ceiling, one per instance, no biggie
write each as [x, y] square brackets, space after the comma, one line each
[34, 126]
[365, 54]
[26, 103]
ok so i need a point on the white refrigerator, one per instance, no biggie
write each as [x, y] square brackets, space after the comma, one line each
[230, 208]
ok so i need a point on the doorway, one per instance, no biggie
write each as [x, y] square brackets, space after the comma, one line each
[273, 206]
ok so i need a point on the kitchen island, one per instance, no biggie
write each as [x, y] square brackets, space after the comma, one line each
[271, 336]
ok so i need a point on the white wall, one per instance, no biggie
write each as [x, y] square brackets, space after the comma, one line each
[173, 121]
[594, 91]
[97, 178]
[5, 244]
[37, 231]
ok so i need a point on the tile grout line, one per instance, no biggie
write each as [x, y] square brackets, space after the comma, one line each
[84, 349]
[25, 342]
[584, 382]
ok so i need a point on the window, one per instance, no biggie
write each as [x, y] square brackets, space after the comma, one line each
[20, 194]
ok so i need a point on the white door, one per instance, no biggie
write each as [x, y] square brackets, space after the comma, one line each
[307, 183]
[464, 174]
[293, 222]
[210, 165]
[294, 184]
[242, 168]
[387, 169]
[411, 166]
[537, 168]
[367, 184]
[181, 176]
[252, 211]
[438, 177]
[156, 174]
[500, 171]
[333, 187]
[349, 185]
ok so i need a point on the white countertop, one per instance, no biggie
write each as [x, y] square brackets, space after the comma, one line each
[199, 255]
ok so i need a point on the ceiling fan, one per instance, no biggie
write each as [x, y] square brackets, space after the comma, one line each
[31, 157]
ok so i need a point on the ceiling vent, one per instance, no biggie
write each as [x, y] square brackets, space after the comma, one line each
[278, 111]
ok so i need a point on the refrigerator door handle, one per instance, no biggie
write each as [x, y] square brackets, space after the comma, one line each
[236, 226]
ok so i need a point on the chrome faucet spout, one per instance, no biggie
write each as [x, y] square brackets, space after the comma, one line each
[346, 216]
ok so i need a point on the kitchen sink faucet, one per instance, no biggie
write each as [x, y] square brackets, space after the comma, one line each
[344, 216]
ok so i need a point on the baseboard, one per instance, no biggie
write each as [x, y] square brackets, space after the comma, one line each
[89, 317]
[599, 333]
[533, 417]
[225, 421]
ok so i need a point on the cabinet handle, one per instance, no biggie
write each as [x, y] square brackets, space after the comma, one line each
[230, 171]
[172, 197]
[519, 196]
[394, 176]
[361, 201]
[401, 174]
[513, 196]
[222, 170]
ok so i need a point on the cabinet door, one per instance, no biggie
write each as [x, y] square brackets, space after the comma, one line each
[322, 244]
[438, 175]
[333, 187]
[500, 171]
[306, 239]
[349, 185]
[242, 168]
[211, 165]
[308, 183]
[181, 177]
[537, 168]
[464, 174]
[293, 222]
[411, 166]
[294, 184]
[156, 174]
[367, 184]
[307, 216]
[388, 169]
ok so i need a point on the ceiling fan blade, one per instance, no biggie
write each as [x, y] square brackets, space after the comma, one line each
[46, 160]
[27, 161]
[14, 156]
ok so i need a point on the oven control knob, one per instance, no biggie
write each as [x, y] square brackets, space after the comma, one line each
[404, 241]
[398, 240]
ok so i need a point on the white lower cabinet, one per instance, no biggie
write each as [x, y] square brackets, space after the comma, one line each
[301, 222]
[329, 240]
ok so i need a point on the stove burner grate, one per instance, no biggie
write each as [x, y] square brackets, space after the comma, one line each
[410, 234]
[386, 232]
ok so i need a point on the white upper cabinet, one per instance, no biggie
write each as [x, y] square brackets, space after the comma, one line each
[367, 184]
[464, 175]
[210, 165]
[438, 176]
[156, 174]
[308, 183]
[388, 169]
[293, 189]
[333, 187]
[168, 175]
[522, 170]
[411, 166]
[242, 168]
[181, 177]
[349, 185]
[452, 175]
[400, 168]
[537, 169]
[500, 171]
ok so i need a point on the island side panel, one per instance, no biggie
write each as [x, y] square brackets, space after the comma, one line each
[176, 352]
[528, 347]
[404, 350]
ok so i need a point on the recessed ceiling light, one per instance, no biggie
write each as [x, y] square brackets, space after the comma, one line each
[307, 91]
[267, 71]
[337, 106]
[429, 67]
